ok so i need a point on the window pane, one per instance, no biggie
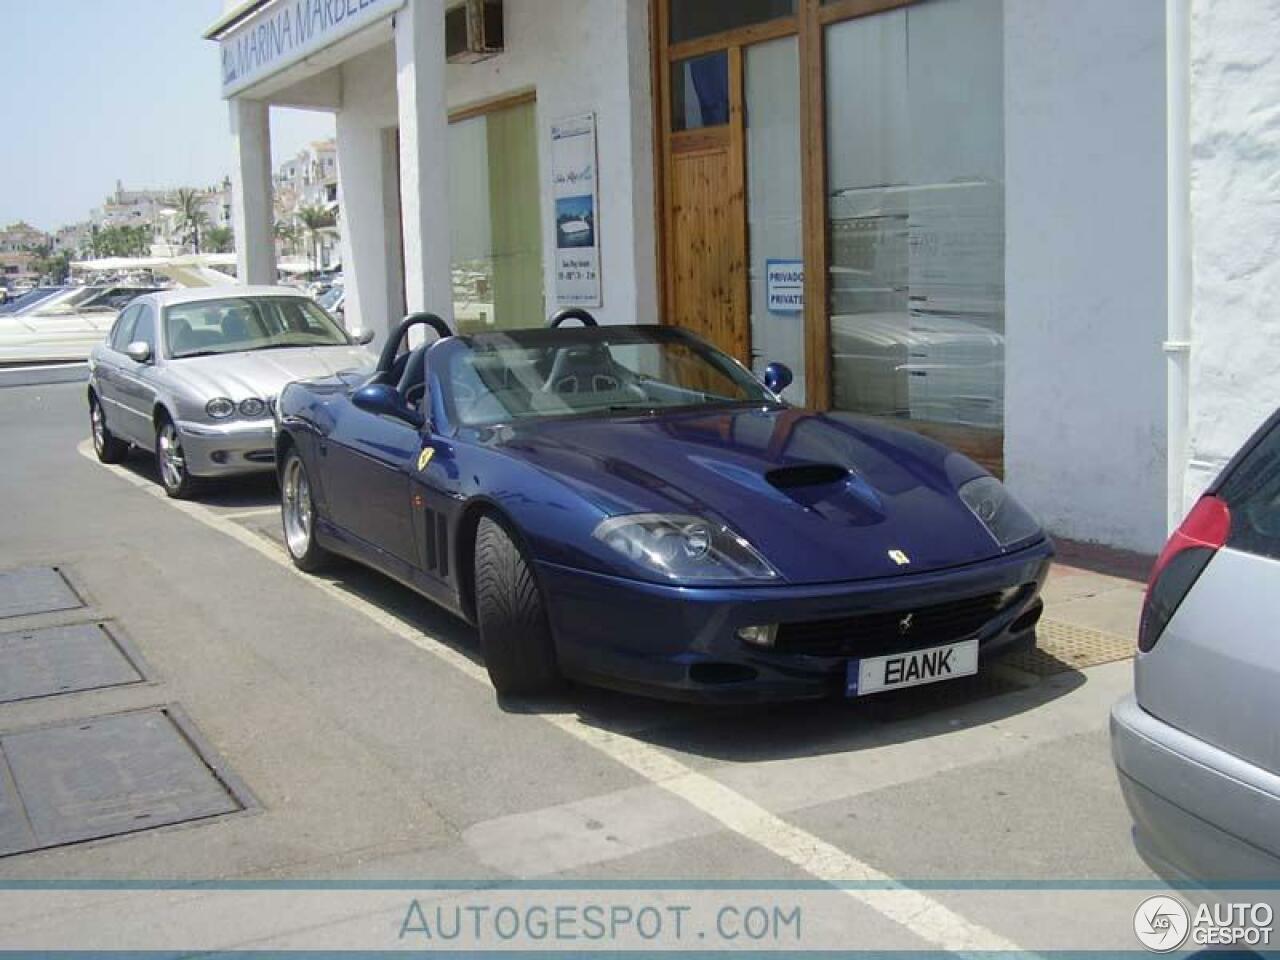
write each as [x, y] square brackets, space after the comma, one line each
[916, 161]
[691, 19]
[700, 92]
[495, 226]
[1253, 494]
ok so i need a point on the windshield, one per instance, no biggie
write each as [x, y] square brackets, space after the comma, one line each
[237, 324]
[497, 378]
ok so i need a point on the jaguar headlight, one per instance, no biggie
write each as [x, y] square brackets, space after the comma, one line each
[684, 548]
[252, 407]
[1005, 519]
[220, 408]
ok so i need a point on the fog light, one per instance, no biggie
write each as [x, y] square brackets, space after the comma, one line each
[218, 456]
[759, 636]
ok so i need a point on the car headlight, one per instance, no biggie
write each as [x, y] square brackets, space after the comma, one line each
[220, 408]
[253, 407]
[1005, 519]
[684, 548]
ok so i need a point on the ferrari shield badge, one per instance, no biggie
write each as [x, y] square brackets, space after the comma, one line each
[898, 557]
[425, 456]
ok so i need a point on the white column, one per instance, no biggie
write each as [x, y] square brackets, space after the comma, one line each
[252, 214]
[424, 156]
[370, 224]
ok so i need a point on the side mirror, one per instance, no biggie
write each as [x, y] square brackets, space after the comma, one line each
[362, 336]
[139, 351]
[777, 377]
[385, 401]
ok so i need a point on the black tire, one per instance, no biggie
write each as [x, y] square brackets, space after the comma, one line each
[108, 447]
[178, 482]
[515, 636]
[297, 502]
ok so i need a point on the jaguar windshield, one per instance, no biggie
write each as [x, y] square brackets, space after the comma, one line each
[236, 324]
[501, 377]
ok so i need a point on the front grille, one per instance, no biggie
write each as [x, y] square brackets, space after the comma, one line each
[887, 631]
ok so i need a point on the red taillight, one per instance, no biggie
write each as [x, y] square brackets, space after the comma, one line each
[1183, 559]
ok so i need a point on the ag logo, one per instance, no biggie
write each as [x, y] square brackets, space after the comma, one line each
[898, 557]
[1161, 924]
[425, 456]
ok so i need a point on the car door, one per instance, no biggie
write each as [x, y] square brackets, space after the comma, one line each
[134, 382]
[107, 372]
[1215, 670]
[367, 460]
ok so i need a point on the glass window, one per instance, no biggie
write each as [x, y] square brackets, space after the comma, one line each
[691, 19]
[144, 329]
[700, 92]
[123, 329]
[601, 371]
[916, 205]
[1252, 491]
[495, 223]
[236, 324]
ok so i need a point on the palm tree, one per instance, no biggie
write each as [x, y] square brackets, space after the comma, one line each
[314, 221]
[219, 239]
[192, 217]
[287, 233]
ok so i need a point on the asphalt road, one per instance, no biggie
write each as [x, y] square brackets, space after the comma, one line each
[359, 718]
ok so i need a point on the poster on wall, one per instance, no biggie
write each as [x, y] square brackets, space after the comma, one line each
[577, 199]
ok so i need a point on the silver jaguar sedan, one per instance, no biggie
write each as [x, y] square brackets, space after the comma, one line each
[193, 375]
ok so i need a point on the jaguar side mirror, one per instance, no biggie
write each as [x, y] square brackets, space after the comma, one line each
[777, 377]
[139, 351]
[385, 401]
[362, 336]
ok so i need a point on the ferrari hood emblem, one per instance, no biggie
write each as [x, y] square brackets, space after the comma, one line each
[898, 557]
[425, 456]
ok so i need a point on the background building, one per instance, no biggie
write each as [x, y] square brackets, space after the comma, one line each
[1041, 232]
[18, 243]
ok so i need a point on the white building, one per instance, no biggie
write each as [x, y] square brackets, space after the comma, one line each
[1044, 236]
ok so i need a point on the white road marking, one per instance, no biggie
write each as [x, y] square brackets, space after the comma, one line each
[248, 514]
[918, 913]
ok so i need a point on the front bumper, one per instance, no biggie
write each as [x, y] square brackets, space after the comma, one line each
[1201, 815]
[225, 449]
[681, 642]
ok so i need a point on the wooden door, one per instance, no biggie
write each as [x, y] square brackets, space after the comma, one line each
[706, 241]
[708, 250]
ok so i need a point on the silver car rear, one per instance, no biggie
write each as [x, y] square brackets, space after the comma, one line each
[1197, 746]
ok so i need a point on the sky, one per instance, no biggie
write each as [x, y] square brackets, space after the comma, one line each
[95, 91]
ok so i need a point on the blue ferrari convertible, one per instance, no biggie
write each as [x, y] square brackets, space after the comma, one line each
[628, 506]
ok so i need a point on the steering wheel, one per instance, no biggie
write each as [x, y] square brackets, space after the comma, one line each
[573, 313]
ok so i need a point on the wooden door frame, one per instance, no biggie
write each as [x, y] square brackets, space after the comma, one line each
[808, 23]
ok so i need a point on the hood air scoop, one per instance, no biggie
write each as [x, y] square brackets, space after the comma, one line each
[807, 475]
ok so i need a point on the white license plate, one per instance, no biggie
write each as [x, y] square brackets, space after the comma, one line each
[911, 669]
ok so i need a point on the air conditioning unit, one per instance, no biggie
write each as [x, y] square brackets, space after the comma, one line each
[473, 30]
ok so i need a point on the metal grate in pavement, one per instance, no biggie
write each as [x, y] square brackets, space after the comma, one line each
[106, 776]
[32, 590]
[48, 661]
[1067, 646]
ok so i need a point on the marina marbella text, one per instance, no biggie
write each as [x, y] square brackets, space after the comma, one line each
[284, 32]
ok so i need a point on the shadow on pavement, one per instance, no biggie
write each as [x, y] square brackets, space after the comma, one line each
[246, 492]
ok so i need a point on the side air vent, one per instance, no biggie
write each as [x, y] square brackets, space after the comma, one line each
[806, 475]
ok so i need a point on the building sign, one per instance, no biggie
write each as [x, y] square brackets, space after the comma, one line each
[784, 283]
[577, 198]
[286, 31]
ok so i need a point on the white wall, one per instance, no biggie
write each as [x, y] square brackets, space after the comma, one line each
[587, 56]
[1235, 210]
[1085, 266]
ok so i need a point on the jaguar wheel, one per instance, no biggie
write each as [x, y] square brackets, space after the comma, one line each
[171, 462]
[108, 447]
